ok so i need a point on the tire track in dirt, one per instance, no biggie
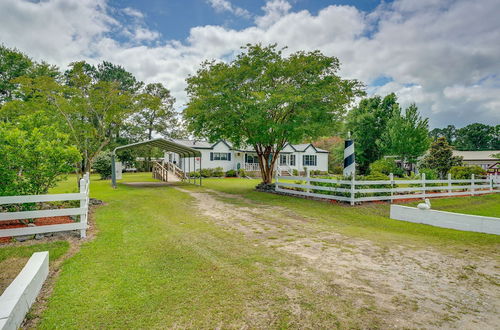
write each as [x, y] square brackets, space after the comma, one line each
[408, 287]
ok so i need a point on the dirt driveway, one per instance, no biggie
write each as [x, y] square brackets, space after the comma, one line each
[405, 287]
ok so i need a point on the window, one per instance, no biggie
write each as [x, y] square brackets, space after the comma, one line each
[292, 160]
[251, 159]
[283, 160]
[220, 156]
[309, 160]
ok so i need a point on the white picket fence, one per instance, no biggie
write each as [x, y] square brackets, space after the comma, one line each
[82, 212]
[352, 191]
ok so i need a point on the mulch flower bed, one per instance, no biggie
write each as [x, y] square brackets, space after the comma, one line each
[38, 222]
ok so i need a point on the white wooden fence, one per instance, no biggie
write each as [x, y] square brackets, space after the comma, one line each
[82, 211]
[354, 191]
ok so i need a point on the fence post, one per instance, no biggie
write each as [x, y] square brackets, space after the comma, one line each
[423, 184]
[353, 189]
[449, 184]
[491, 182]
[472, 178]
[391, 177]
[308, 182]
[83, 205]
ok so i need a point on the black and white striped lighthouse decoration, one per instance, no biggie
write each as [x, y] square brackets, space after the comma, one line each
[349, 161]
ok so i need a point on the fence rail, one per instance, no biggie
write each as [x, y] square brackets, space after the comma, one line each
[81, 211]
[355, 191]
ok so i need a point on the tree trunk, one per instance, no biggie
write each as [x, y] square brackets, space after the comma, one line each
[266, 167]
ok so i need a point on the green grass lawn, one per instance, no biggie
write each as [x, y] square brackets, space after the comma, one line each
[157, 263]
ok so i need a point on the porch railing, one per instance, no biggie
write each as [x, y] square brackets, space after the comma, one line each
[252, 167]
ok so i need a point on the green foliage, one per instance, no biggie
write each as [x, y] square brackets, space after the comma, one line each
[218, 172]
[195, 174]
[231, 174]
[465, 172]
[385, 166]
[33, 155]
[242, 173]
[367, 123]
[265, 100]
[13, 64]
[335, 146]
[430, 173]
[449, 133]
[156, 114]
[440, 158]
[406, 135]
[478, 137]
[102, 165]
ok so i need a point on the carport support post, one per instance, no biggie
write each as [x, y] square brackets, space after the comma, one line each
[113, 171]
[189, 169]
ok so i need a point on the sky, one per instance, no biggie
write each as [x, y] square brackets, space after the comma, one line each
[443, 55]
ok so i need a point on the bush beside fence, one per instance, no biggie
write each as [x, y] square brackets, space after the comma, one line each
[81, 211]
[354, 191]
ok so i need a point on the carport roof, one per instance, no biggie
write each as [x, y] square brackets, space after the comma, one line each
[164, 144]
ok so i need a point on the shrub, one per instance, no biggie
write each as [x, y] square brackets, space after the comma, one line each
[194, 174]
[386, 166]
[231, 174]
[242, 173]
[218, 172]
[430, 174]
[295, 172]
[206, 172]
[337, 170]
[465, 172]
[102, 165]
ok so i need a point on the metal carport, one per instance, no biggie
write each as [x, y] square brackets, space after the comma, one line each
[159, 143]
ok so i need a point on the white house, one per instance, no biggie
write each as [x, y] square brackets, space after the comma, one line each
[222, 154]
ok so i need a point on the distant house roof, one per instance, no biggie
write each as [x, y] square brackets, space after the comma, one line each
[476, 155]
[207, 145]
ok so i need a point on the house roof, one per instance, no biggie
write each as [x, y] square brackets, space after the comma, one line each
[163, 144]
[476, 155]
[207, 145]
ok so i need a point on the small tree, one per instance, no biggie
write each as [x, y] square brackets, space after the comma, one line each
[440, 157]
[368, 122]
[335, 146]
[385, 166]
[102, 165]
[33, 155]
[407, 135]
[265, 100]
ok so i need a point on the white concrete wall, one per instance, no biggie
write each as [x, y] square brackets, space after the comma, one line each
[17, 299]
[450, 220]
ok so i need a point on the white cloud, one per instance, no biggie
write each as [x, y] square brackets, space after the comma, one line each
[274, 10]
[442, 55]
[226, 6]
[132, 12]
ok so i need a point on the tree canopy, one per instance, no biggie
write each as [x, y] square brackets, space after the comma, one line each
[265, 100]
[406, 135]
[367, 123]
[440, 157]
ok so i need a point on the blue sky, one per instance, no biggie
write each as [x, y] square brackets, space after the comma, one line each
[174, 18]
[442, 55]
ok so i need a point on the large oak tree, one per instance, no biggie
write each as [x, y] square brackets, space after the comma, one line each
[264, 99]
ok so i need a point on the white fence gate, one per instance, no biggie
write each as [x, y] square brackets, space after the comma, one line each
[82, 211]
[354, 191]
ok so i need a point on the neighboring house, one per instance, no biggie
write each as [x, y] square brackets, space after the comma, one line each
[483, 159]
[223, 154]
